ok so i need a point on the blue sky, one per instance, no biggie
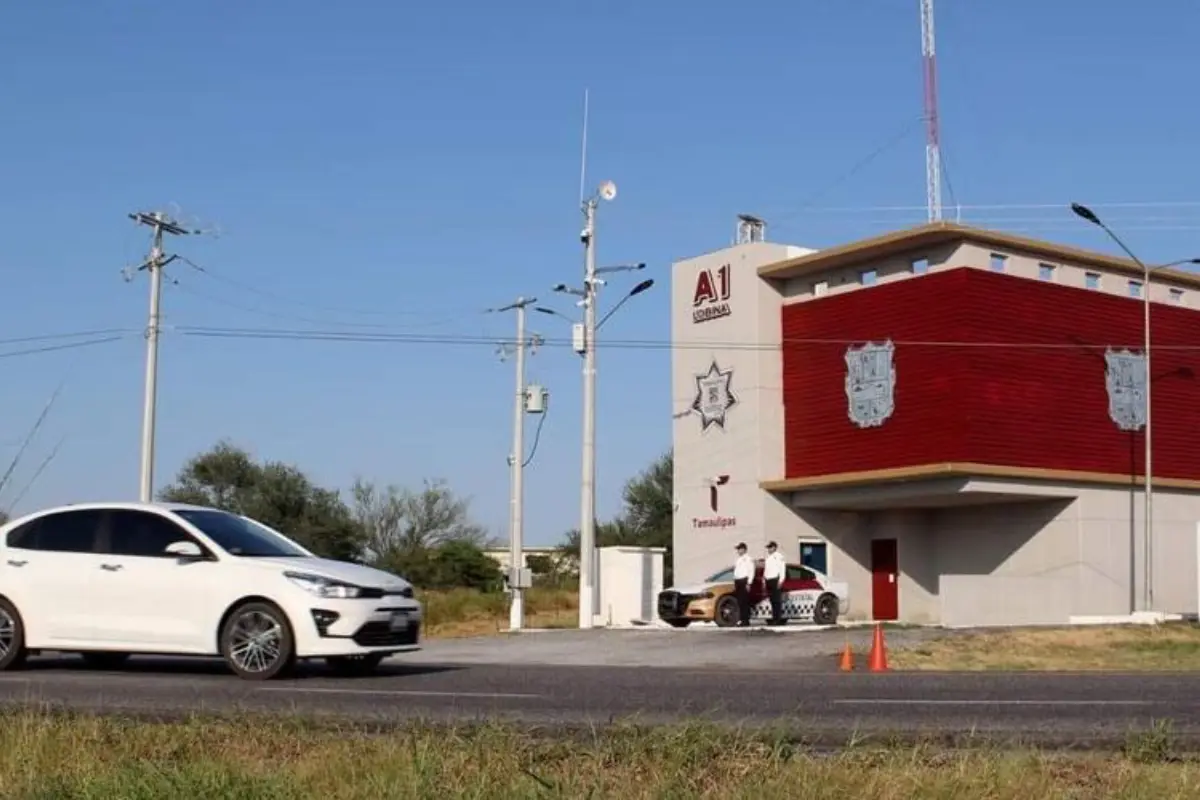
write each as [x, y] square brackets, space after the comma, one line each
[414, 163]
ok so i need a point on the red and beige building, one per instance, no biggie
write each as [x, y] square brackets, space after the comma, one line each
[948, 419]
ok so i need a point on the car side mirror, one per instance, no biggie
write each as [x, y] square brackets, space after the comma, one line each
[184, 550]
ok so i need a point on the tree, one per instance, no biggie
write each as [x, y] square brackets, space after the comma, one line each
[276, 494]
[463, 563]
[650, 503]
[420, 534]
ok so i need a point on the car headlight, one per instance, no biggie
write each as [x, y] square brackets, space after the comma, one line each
[323, 587]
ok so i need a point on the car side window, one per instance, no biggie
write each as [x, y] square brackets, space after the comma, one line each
[62, 532]
[142, 533]
[800, 574]
[24, 537]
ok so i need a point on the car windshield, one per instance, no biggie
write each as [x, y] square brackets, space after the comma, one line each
[239, 536]
[721, 577]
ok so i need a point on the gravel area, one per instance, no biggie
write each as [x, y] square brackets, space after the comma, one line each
[701, 648]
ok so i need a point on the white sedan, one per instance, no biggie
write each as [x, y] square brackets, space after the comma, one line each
[111, 579]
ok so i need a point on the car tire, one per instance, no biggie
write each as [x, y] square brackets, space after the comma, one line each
[12, 637]
[679, 623]
[257, 643]
[104, 660]
[727, 612]
[355, 666]
[825, 612]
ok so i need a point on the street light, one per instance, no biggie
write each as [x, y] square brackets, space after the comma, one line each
[1085, 213]
[585, 344]
[634, 292]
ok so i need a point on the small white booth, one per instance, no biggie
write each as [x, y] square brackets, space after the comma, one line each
[629, 582]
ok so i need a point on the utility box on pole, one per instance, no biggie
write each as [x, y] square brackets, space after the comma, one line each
[536, 399]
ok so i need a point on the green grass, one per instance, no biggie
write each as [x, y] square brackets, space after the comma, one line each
[1171, 647]
[44, 756]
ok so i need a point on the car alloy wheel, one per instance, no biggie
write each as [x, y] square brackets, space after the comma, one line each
[826, 610]
[257, 642]
[12, 637]
[727, 612]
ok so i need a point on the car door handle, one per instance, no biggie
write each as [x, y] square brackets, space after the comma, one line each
[110, 567]
[15, 563]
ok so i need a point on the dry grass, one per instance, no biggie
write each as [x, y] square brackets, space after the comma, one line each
[456, 613]
[110, 759]
[1128, 647]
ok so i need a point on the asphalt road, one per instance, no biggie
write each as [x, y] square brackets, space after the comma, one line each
[1060, 709]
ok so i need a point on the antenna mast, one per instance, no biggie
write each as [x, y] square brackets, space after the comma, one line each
[933, 155]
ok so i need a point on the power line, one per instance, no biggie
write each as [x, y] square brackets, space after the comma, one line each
[69, 346]
[71, 335]
[281, 298]
[640, 344]
[857, 167]
[448, 340]
[1064, 204]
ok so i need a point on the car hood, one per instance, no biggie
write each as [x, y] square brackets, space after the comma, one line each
[695, 588]
[355, 574]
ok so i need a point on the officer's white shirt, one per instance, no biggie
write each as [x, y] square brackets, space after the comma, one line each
[774, 567]
[743, 568]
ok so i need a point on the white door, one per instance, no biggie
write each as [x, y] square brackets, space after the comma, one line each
[156, 601]
[55, 566]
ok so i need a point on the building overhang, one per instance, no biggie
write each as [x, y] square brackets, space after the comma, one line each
[921, 237]
[949, 485]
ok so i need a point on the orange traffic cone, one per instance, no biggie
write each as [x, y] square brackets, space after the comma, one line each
[847, 662]
[877, 660]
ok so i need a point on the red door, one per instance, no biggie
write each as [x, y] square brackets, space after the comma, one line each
[885, 585]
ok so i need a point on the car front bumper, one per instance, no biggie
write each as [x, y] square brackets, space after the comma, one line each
[325, 627]
[676, 607]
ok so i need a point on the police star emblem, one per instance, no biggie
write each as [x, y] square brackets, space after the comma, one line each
[714, 396]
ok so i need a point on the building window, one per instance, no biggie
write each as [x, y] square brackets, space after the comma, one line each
[1135, 288]
[1046, 272]
[998, 262]
[920, 266]
[867, 276]
[1177, 296]
[1091, 280]
[814, 554]
[821, 288]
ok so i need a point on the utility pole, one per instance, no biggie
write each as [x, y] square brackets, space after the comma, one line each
[160, 223]
[518, 579]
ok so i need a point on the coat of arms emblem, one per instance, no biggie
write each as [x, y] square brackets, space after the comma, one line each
[1125, 379]
[714, 396]
[870, 383]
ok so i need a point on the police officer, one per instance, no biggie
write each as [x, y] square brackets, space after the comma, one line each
[743, 573]
[773, 569]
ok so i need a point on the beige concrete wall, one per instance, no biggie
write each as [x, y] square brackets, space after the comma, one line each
[749, 447]
[1035, 561]
[1162, 290]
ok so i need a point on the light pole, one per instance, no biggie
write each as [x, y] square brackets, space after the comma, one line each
[1087, 214]
[586, 345]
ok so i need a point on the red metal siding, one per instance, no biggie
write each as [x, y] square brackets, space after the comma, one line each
[1025, 388]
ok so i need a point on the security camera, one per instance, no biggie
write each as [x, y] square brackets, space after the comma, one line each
[584, 235]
